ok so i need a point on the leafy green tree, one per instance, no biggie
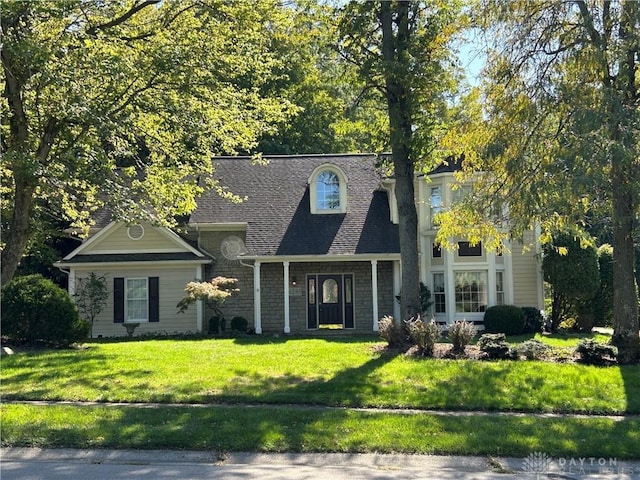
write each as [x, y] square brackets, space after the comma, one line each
[559, 131]
[402, 52]
[121, 104]
[331, 114]
[603, 301]
[91, 296]
[572, 271]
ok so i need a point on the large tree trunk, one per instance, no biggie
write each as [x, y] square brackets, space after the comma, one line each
[396, 67]
[624, 179]
[625, 298]
[17, 234]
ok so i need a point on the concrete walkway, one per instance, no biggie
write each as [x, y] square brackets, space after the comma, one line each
[302, 406]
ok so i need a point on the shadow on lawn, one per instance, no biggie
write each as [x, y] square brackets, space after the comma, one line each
[631, 379]
[66, 371]
[309, 429]
[348, 387]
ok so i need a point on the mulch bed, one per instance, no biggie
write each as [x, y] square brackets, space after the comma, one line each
[472, 352]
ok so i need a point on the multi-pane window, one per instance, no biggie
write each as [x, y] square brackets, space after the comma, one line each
[471, 292]
[136, 300]
[436, 202]
[465, 249]
[328, 191]
[499, 288]
[439, 302]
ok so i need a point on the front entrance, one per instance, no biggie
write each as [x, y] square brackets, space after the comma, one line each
[330, 301]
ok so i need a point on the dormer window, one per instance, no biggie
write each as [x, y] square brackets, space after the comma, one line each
[328, 189]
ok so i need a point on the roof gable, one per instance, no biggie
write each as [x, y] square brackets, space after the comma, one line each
[117, 239]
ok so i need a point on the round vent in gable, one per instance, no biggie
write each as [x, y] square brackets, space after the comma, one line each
[135, 232]
[232, 247]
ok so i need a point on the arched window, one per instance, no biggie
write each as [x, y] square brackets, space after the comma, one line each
[328, 188]
[328, 191]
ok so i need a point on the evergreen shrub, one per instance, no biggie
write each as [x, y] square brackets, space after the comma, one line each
[507, 319]
[34, 309]
[239, 324]
[533, 320]
[495, 346]
[594, 353]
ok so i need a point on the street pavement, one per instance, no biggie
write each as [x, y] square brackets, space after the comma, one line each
[71, 464]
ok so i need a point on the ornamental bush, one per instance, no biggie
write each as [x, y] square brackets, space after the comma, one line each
[34, 309]
[390, 331]
[424, 335]
[461, 334]
[507, 319]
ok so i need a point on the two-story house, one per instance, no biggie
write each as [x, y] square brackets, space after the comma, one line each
[314, 247]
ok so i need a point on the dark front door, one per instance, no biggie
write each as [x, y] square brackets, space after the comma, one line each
[330, 300]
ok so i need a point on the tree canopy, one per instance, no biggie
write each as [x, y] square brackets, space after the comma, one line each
[559, 131]
[122, 104]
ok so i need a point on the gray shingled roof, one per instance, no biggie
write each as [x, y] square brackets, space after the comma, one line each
[277, 212]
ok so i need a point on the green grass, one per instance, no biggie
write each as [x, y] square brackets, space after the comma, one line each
[282, 372]
[312, 371]
[287, 429]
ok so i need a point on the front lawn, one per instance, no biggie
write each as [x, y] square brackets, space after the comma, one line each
[344, 372]
[287, 380]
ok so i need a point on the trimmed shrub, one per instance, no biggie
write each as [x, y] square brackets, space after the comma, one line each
[533, 349]
[461, 334]
[533, 320]
[495, 346]
[239, 324]
[594, 353]
[424, 334]
[507, 319]
[34, 309]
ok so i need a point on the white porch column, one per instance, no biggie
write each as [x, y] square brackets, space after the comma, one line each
[374, 293]
[508, 275]
[287, 323]
[397, 277]
[199, 303]
[491, 279]
[449, 285]
[256, 298]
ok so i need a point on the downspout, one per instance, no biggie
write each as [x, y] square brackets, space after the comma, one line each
[68, 274]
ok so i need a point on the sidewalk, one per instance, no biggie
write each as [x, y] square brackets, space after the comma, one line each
[25, 463]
